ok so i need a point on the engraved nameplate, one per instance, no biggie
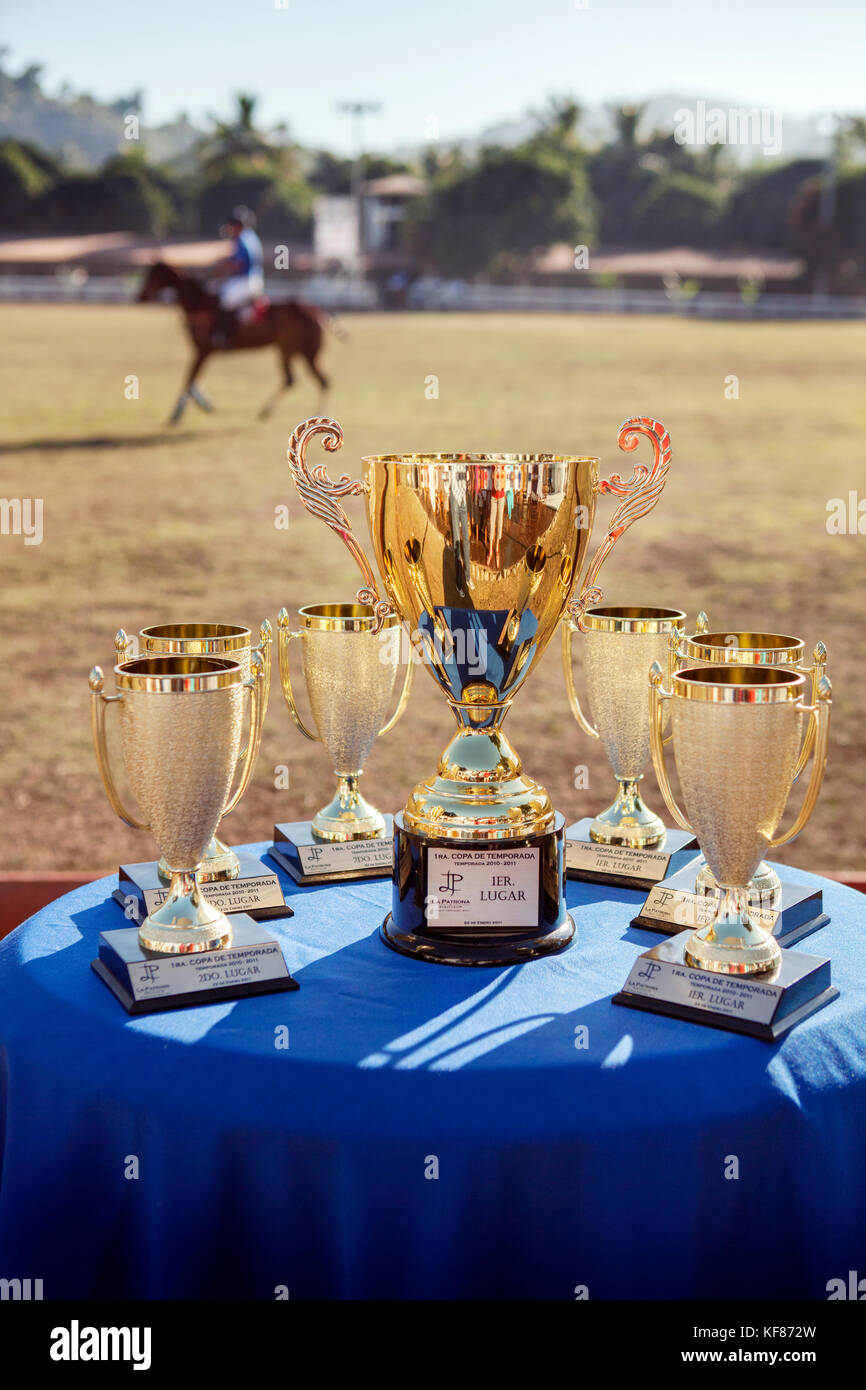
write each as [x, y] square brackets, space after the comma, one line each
[256, 890]
[144, 981]
[482, 888]
[587, 857]
[683, 909]
[740, 996]
[206, 970]
[764, 1006]
[346, 855]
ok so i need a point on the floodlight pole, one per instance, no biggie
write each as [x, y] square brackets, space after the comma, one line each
[357, 110]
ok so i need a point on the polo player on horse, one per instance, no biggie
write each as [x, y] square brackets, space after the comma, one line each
[242, 280]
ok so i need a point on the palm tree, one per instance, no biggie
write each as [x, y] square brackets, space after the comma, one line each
[237, 138]
[626, 120]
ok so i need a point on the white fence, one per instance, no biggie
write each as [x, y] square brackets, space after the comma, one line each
[458, 295]
[345, 293]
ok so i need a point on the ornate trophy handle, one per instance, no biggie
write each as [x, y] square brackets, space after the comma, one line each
[677, 659]
[658, 694]
[285, 636]
[255, 686]
[404, 696]
[123, 646]
[819, 719]
[816, 673]
[568, 630]
[318, 493]
[641, 493]
[265, 648]
[98, 702]
[266, 637]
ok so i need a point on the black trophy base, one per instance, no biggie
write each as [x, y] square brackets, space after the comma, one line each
[763, 1006]
[148, 982]
[621, 867]
[309, 860]
[475, 950]
[673, 905]
[255, 892]
[479, 902]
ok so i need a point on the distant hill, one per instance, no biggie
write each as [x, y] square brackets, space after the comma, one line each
[80, 131]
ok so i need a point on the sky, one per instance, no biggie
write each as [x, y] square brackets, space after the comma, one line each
[456, 66]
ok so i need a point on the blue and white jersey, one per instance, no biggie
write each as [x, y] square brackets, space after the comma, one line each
[249, 253]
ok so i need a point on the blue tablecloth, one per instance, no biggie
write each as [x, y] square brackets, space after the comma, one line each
[312, 1169]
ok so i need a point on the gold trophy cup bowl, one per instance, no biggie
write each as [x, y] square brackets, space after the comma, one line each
[619, 645]
[233, 643]
[479, 555]
[761, 649]
[181, 724]
[737, 733]
[349, 661]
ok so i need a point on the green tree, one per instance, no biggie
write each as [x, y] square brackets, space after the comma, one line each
[236, 138]
[837, 249]
[494, 213]
[124, 196]
[330, 174]
[678, 208]
[22, 185]
[283, 206]
[761, 205]
[619, 175]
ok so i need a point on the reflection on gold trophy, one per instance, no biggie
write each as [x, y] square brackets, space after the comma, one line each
[760, 649]
[619, 645]
[181, 724]
[349, 662]
[479, 555]
[232, 643]
[737, 734]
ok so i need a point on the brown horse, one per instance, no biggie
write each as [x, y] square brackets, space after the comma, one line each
[294, 328]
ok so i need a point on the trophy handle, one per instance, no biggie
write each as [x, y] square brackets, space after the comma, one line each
[122, 646]
[265, 648]
[657, 695]
[568, 630]
[286, 676]
[266, 637]
[815, 672]
[98, 703]
[255, 685]
[640, 494]
[402, 702]
[677, 659]
[318, 493]
[819, 719]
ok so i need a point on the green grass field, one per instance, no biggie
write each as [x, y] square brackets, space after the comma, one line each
[143, 524]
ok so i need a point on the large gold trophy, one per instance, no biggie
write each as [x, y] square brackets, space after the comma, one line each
[737, 734]
[480, 555]
[181, 725]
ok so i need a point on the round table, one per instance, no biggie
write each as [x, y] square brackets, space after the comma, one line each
[429, 1131]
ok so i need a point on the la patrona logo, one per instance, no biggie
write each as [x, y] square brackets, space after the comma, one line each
[77, 1343]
